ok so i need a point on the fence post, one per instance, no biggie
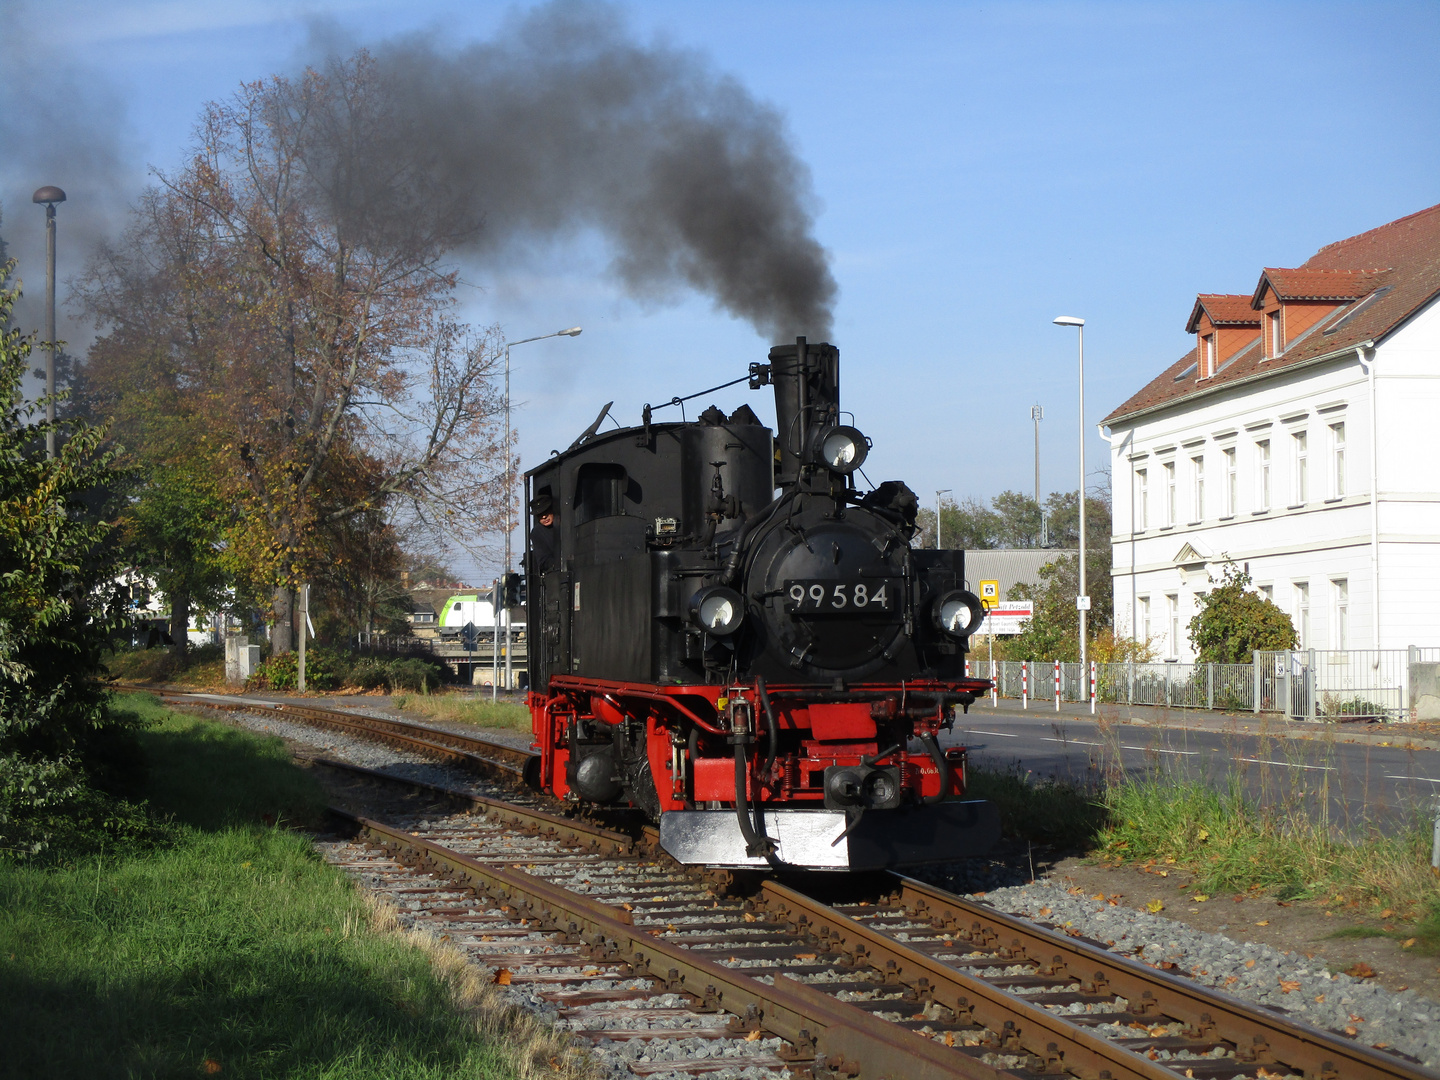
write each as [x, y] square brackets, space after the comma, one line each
[1435, 844]
[1024, 684]
[1130, 688]
[1057, 685]
[1310, 687]
[1256, 677]
[967, 667]
[1210, 687]
[1092, 687]
[994, 687]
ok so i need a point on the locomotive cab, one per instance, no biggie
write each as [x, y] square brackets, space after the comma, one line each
[735, 639]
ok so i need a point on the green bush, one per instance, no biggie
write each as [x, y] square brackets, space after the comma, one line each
[327, 668]
[413, 673]
[324, 670]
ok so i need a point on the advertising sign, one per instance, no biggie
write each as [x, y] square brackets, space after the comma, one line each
[1008, 618]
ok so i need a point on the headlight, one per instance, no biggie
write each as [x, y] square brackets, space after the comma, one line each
[843, 449]
[959, 613]
[717, 610]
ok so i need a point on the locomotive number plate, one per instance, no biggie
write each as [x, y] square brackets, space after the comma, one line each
[877, 596]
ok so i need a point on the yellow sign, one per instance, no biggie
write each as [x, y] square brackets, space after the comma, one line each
[989, 594]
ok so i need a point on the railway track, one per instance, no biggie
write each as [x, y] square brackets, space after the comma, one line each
[666, 970]
[494, 759]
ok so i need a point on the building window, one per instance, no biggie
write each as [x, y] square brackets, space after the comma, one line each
[1268, 591]
[1197, 472]
[1337, 459]
[1142, 623]
[1172, 605]
[1340, 589]
[1142, 499]
[1262, 475]
[1300, 447]
[1230, 482]
[1169, 493]
[1302, 613]
[1277, 343]
[1207, 364]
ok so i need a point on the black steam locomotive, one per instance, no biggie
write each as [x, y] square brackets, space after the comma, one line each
[726, 633]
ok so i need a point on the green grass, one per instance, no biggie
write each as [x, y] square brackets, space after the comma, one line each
[1043, 810]
[232, 944]
[482, 712]
[1231, 845]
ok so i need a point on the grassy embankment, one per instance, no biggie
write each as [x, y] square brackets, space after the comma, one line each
[202, 667]
[228, 947]
[465, 709]
[1225, 841]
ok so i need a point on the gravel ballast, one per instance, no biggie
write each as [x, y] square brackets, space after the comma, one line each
[1373, 1015]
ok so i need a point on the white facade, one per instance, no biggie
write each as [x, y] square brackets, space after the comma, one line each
[1278, 472]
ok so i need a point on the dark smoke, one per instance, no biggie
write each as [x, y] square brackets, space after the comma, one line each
[564, 122]
[59, 126]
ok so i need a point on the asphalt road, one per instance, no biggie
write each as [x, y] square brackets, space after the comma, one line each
[1363, 782]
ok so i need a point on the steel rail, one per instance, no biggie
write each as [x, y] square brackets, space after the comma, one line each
[586, 836]
[1256, 1034]
[832, 1035]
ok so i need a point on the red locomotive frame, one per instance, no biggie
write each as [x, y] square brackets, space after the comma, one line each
[840, 733]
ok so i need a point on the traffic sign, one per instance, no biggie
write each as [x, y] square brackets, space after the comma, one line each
[1082, 603]
[989, 593]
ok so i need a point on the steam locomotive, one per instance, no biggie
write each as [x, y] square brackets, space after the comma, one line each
[727, 634]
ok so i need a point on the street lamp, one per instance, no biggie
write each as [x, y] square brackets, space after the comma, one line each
[1082, 602]
[49, 195]
[574, 331]
[1037, 413]
[946, 491]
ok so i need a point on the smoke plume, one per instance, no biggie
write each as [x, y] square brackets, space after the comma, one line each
[58, 125]
[562, 123]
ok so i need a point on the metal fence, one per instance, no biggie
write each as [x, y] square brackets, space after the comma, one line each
[1385, 684]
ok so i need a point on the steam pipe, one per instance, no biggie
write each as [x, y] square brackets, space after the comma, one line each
[772, 726]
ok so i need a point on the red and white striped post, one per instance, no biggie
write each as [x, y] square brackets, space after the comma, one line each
[967, 667]
[994, 686]
[1092, 687]
[1024, 684]
[1057, 685]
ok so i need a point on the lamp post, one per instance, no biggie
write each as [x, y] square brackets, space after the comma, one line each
[1037, 413]
[1083, 600]
[49, 195]
[946, 491]
[574, 331]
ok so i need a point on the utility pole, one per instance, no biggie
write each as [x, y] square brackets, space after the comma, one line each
[49, 196]
[304, 625]
[1037, 413]
[945, 491]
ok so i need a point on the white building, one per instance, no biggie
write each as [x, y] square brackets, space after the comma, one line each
[1301, 439]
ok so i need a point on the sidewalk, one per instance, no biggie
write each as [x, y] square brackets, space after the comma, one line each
[1413, 736]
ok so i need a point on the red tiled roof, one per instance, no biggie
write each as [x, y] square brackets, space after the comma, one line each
[1408, 249]
[1224, 309]
[1292, 284]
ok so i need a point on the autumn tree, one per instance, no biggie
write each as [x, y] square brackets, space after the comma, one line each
[298, 305]
[1234, 621]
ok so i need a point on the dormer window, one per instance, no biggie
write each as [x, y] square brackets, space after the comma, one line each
[1273, 335]
[1207, 356]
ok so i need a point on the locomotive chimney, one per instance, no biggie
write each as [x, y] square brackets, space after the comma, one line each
[807, 400]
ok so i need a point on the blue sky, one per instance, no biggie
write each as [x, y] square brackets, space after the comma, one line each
[980, 168]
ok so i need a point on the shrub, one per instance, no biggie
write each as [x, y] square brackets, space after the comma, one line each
[325, 669]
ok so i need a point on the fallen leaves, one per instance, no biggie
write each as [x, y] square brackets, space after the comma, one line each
[1249, 963]
[949, 1038]
[1263, 922]
[1231, 980]
[502, 977]
[1043, 911]
[1289, 985]
[211, 1066]
[753, 1036]
[1200, 898]
[1360, 970]
[1351, 1029]
[1319, 999]
[804, 956]
[1155, 907]
[1407, 943]
[1387, 913]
